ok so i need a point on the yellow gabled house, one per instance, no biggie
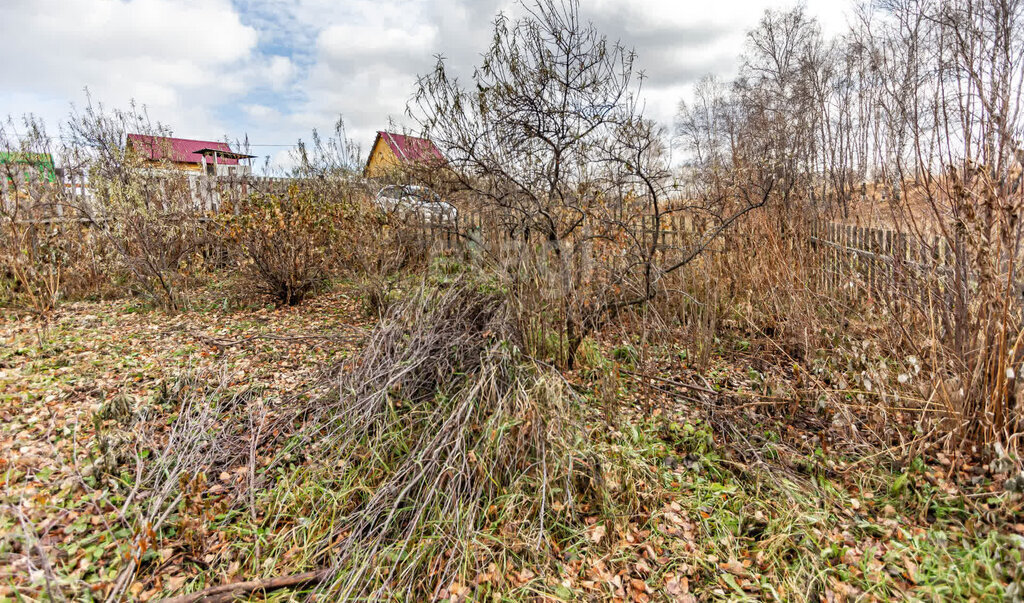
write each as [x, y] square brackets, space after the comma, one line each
[393, 152]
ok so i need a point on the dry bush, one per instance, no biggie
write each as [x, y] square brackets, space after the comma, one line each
[550, 138]
[289, 243]
[809, 322]
[390, 244]
[923, 103]
[47, 254]
[290, 238]
[922, 343]
[32, 263]
[145, 213]
[957, 74]
[50, 261]
[958, 295]
[771, 276]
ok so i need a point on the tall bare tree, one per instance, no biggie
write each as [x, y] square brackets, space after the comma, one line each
[551, 138]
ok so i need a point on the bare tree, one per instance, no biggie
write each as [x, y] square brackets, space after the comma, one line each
[550, 136]
[776, 91]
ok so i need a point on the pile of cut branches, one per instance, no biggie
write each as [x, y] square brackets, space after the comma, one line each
[439, 459]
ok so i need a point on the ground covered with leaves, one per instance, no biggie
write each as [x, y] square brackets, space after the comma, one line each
[408, 449]
[68, 388]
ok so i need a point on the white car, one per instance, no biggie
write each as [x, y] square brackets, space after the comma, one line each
[408, 199]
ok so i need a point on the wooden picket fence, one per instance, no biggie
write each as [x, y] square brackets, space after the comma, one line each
[53, 202]
[886, 264]
[851, 260]
[478, 232]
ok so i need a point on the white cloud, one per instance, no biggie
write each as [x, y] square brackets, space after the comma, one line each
[280, 71]
[350, 43]
[166, 54]
[275, 69]
[256, 111]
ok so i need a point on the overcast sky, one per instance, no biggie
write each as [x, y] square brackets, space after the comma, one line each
[276, 69]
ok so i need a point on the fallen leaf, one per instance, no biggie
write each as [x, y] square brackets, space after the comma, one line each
[734, 567]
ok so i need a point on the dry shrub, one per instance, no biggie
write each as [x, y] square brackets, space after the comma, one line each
[158, 243]
[290, 242]
[47, 262]
[46, 252]
[757, 281]
[923, 339]
[391, 244]
[145, 212]
[809, 324]
[958, 294]
[33, 264]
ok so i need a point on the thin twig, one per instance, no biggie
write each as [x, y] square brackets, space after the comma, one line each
[229, 592]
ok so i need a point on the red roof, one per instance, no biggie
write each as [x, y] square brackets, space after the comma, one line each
[410, 149]
[180, 150]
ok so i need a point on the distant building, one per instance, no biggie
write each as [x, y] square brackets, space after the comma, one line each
[212, 158]
[392, 152]
[38, 167]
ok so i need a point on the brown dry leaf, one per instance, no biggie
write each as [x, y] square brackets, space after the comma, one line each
[135, 589]
[597, 532]
[678, 589]
[638, 585]
[911, 572]
[674, 518]
[458, 590]
[734, 567]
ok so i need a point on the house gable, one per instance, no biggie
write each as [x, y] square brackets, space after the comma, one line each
[392, 151]
[381, 159]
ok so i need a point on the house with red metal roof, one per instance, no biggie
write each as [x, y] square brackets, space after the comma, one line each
[392, 152]
[212, 158]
